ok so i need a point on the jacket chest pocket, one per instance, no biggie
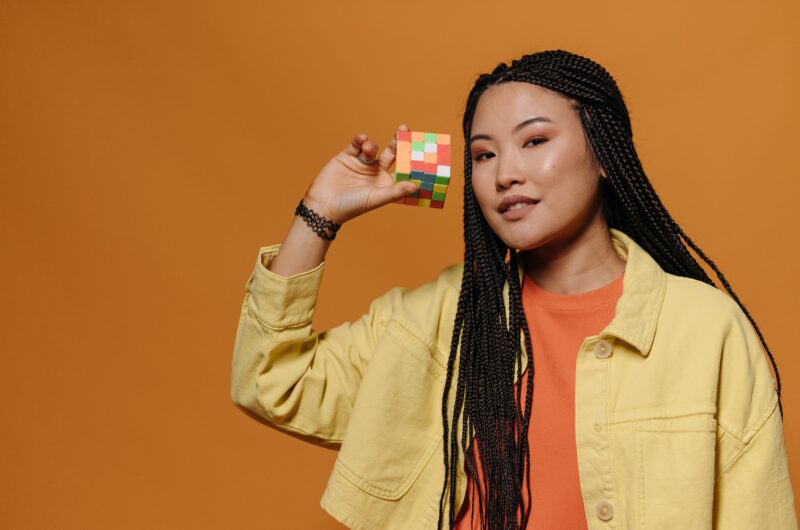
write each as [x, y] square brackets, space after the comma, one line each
[394, 427]
[675, 463]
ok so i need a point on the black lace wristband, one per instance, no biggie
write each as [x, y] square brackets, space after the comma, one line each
[317, 223]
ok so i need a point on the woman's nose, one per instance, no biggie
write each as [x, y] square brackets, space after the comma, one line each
[509, 171]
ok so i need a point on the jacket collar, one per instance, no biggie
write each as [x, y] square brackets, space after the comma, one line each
[644, 286]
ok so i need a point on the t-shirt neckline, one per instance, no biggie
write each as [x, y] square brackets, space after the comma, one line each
[601, 296]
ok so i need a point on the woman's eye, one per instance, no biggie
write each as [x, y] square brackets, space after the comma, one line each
[536, 140]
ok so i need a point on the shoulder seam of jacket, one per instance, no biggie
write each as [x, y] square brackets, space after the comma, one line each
[405, 325]
[749, 436]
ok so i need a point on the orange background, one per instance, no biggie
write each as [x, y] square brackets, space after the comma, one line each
[147, 150]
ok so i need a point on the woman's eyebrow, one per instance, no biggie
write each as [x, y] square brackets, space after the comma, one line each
[515, 129]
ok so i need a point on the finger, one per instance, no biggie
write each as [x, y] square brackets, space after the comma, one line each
[370, 150]
[393, 143]
[388, 154]
[390, 151]
[356, 144]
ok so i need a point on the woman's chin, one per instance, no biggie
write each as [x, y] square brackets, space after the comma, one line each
[523, 241]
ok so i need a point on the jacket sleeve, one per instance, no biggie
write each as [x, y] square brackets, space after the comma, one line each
[753, 489]
[289, 376]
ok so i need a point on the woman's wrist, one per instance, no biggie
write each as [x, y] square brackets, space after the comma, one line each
[301, 250]
[316, 216]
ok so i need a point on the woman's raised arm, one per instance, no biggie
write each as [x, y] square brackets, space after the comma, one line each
[284, 373]
[290, 376]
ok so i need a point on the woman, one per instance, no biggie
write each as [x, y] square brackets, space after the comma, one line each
[667, 417]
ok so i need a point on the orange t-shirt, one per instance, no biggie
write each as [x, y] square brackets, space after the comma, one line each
[558, 324]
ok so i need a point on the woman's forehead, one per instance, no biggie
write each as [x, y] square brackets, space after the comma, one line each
[512, 102]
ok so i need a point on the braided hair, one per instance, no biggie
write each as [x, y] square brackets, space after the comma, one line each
[490, 352]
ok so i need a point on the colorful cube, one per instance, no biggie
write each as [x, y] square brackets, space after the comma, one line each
[424, 158]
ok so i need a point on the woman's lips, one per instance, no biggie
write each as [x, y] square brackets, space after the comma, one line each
[517, 213]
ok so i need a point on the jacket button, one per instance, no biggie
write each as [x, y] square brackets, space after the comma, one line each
[605, 510]
[602, 349]
[598, 427]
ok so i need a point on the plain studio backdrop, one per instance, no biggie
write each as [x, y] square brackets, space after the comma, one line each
[147, 150]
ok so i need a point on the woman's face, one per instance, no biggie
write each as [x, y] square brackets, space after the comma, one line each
[547, 160]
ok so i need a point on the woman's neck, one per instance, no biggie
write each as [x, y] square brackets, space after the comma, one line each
[577, 264]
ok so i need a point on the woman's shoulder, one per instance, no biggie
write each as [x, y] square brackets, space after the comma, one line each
[704, 316]
[713, 335]
[698, 316]
[693, 297]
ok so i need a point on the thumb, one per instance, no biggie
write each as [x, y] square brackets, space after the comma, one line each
[400, 189]
[397, 190]
[403, 188]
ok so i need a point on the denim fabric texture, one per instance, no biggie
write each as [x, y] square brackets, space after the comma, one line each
[676, 412]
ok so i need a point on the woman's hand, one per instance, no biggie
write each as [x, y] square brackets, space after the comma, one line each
[347, 188]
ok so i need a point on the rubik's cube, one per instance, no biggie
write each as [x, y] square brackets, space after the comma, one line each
[424, 158]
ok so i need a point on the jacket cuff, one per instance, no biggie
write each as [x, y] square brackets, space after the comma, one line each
[282, 301]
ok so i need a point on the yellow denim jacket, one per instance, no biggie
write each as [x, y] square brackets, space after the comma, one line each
[676, 417]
